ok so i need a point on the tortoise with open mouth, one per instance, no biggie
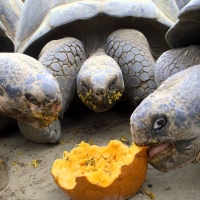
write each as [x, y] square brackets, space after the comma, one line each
[168, 120]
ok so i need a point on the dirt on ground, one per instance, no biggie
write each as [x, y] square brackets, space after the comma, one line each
[29, 164]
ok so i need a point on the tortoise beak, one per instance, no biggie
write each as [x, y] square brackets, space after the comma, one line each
[165, 159]
[42, 116]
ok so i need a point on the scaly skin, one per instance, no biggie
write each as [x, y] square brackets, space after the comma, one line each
[102, 78]
[176, 60]
[99, 82]
[63, 59]
[176, 142]
[130, 49]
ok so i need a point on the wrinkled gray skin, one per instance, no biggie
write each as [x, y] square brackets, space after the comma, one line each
[186, 45]
[176, 60]
[125, 69]
[62, 58]
[168, 121]
[27, 93]
[80, 35]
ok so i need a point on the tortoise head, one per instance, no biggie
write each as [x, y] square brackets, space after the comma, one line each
[100, 83]
[28, 92]
[168, 122]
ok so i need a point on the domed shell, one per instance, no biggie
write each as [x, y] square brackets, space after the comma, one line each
[41, 19]
[10, 11]
[186, 30]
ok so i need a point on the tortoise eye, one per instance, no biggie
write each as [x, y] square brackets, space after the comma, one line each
[32, 99]
[84, 86]
[112, 85]
[160, 122]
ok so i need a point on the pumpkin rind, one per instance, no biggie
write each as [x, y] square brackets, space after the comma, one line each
[126, 182]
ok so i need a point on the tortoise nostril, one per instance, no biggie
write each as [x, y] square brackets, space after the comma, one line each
[103, 92]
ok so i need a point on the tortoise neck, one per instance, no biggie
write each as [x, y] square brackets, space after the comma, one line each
[98, 52]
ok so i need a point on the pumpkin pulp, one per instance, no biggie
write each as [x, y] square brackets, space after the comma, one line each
[93, 172]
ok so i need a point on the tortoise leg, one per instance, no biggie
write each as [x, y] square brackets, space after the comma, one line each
[3, 173]
[63, 59]
[50, 134]
[130, 49]
[176, 60]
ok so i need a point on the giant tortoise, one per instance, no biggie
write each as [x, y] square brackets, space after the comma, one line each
[102, 49]
[169, 119]
[27, 93]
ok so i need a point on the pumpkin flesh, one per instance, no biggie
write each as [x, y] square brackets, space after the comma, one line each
[113, 172]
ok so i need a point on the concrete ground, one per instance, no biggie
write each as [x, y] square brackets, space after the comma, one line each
[36, 183]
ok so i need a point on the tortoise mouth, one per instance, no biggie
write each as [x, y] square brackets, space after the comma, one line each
[159, 150]
[169, 155]
[163, 156]
[100, 103]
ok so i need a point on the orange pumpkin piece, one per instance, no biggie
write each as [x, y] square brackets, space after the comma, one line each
[113, 172]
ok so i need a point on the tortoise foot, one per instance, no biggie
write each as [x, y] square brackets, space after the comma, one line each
[50, 134]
